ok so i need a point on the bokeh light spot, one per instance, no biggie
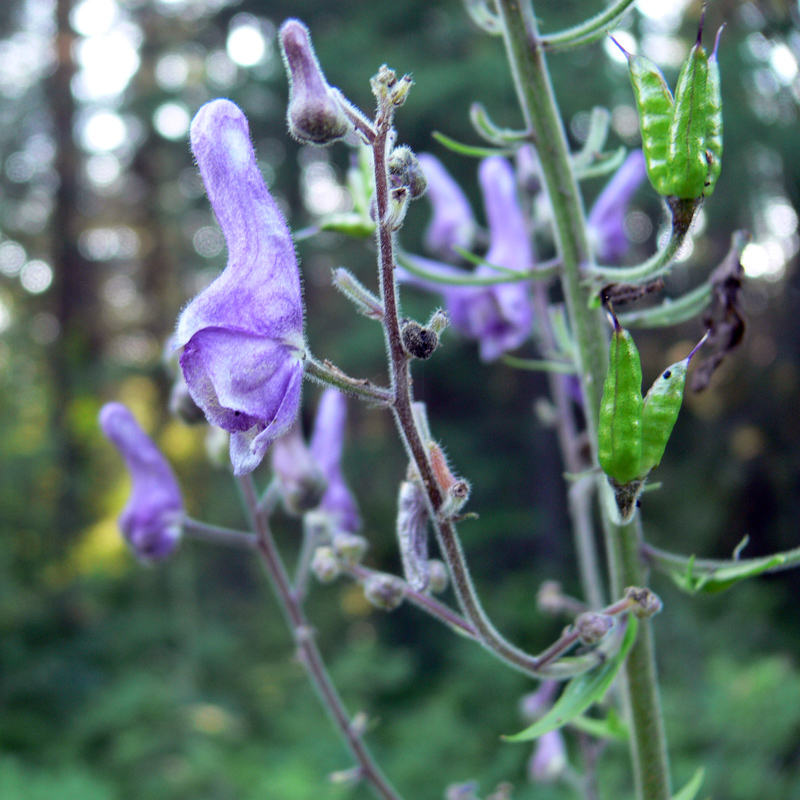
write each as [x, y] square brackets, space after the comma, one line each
[36, 276]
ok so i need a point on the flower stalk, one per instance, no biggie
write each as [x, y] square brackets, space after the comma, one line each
[526, 57]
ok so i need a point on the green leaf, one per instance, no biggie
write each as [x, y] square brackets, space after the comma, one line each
[348, 223]
[711, 580]
[538, 365]
[689, 792]
[581, 692]
[471, 150]
[610, 727]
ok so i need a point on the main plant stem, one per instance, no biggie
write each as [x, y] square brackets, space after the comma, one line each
[535, 93]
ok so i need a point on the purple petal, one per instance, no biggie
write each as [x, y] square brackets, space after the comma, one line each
[510, 243]
[607, 217]
[151, 521]
[452, 224]
[243, 335]
[326, 448]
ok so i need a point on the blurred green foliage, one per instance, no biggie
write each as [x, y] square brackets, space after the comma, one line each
[121, 683]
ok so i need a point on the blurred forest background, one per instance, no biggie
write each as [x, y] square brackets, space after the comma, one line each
[124, 683]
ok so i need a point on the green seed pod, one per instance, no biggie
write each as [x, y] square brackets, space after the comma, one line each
[681, 138]
[714, 117]
[654, 103]
[619, 433]
[686, 148]
[660, 411]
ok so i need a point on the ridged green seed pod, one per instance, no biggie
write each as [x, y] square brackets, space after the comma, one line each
[681, 137]
[619, 431]
[660, 409]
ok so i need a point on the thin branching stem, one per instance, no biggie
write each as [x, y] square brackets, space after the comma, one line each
[307, 650]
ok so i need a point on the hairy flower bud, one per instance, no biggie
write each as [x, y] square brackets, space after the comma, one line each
[592, 627]
[404, 170]
[644, 603]
[325, 565]
[349, 547]
[315, 112]
[417, 341]
[412, 534]
[152, 519]
[384, 591]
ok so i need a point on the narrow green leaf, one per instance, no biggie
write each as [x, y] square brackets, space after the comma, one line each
[689, 792]
[581, 692]
[350, 224]
[471, 150]
[693, 579]
[603, 164]
[538, 365]
[609, 727]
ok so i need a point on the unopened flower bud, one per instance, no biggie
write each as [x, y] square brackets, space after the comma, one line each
[405, 170]
[438, 577]
[325, 565]
[315, 112]
[644, 602]
[549, 758]
[439, 321]
[417, 341]
[384, 591]
[386, 86]
[349, 547]
[412, 534]
[592, 627]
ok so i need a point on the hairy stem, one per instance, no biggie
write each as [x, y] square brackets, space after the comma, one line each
[307, 650]
[529, 69]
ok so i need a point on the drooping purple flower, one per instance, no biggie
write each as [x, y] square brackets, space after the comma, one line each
[607, 218]
[243, 335]
[549, 758]
[452, 224]
[498, 316]
[152, 519]
[326, 448]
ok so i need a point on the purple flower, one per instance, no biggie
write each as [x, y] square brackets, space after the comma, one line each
[301, 479]
[607, 217]
[151, 521]
[243, 335]
[326, 448]
[452, 224]
[549, 758]
[498, 316]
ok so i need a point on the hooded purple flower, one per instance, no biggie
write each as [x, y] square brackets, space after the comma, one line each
[452, 224]
[151, 521]
[243, 335]
[301, 479]
[607, 217]
[326, 448]
[498, 316]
